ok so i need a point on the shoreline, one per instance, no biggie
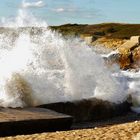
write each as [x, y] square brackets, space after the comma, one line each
[109, 131]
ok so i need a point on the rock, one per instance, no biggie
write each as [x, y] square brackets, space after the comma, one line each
[127, 47]
[136, 57]
[128, 55]
[108, 43]
[125, 60]
[89, 109]
[135, 39]
[87, 38]
[129, 51]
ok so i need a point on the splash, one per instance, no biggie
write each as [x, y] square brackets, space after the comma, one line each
[23, 19]
[39, 66]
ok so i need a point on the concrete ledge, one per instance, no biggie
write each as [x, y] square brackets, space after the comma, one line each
[89, 109]
[31, 120]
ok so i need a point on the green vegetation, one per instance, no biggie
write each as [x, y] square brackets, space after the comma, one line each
[108, 30]
[69, 29]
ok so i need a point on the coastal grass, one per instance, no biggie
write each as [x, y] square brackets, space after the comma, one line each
[108, 30]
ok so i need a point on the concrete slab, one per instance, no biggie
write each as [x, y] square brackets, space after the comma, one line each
[31, 120]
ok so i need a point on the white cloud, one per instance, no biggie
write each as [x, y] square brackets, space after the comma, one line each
[90, 16]
[32, 4]
[59, 10]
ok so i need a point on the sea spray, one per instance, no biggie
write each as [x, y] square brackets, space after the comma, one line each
[39, 66]
[133, 82]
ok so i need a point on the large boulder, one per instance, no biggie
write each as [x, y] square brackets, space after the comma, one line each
[129, 45]
[127, 53]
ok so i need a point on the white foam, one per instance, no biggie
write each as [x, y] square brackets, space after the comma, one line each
[132, 80]
[56, 70]
[110, 54]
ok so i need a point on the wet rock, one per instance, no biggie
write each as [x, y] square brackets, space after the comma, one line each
[112, 58]
[89, 109]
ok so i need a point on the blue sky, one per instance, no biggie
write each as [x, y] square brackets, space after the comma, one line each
[77, 11]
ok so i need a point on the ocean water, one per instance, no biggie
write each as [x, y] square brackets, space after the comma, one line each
[38, 66]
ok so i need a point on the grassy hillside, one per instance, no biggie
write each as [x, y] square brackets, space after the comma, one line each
[109, 30]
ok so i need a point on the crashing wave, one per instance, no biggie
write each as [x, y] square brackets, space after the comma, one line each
[39, 66]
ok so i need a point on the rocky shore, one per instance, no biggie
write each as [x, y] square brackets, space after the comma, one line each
[108, 35]
[124, 127]
[128, 50]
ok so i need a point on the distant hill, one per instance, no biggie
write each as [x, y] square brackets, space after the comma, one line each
[108, 30]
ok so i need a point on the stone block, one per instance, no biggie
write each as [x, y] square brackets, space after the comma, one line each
[32, 120]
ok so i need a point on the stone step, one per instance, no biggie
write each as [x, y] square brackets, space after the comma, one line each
[32, 120]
